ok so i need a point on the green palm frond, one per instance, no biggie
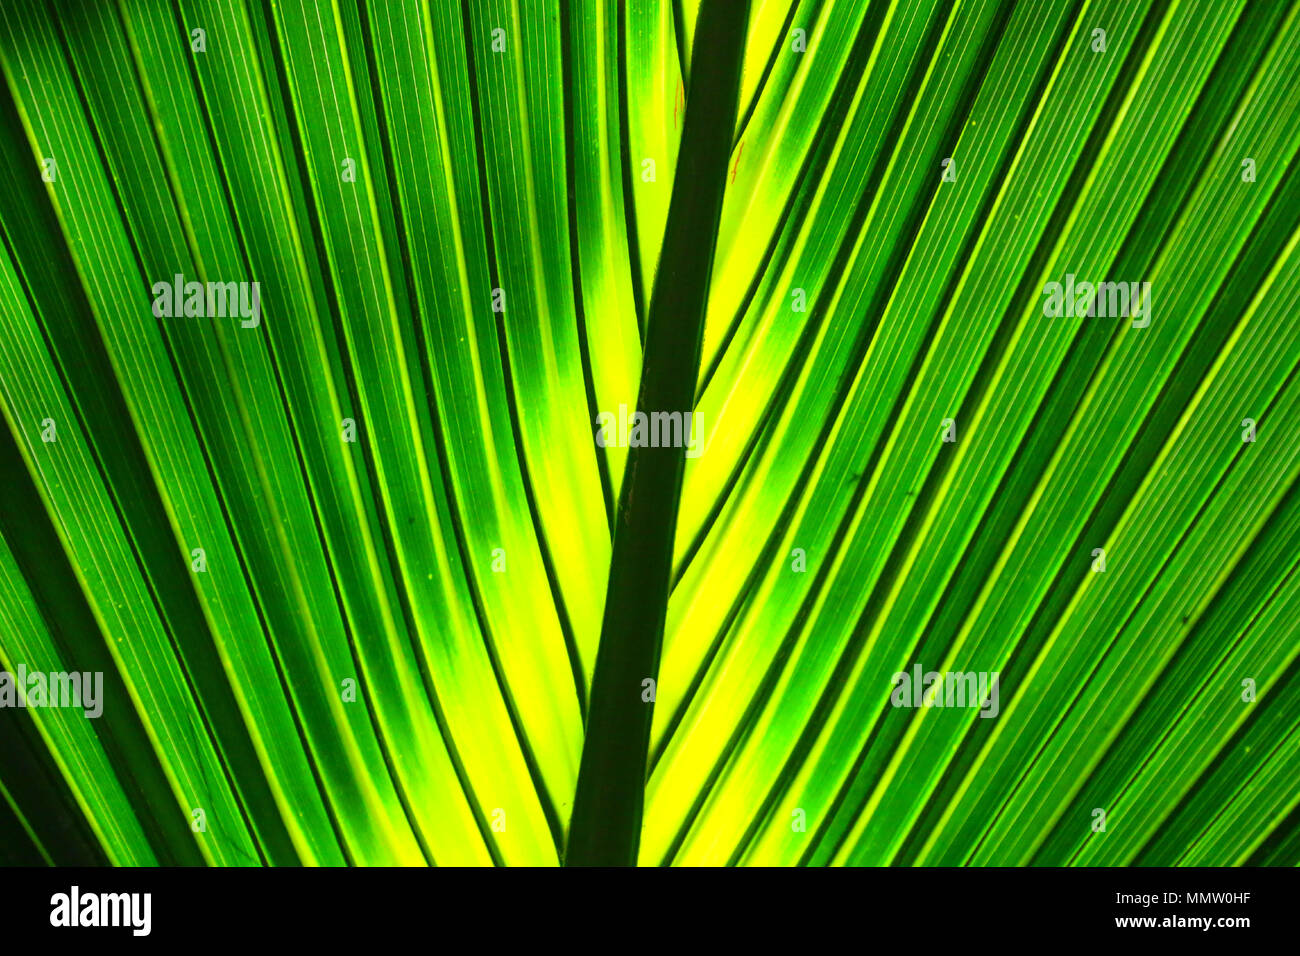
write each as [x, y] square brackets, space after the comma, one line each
[370, 576]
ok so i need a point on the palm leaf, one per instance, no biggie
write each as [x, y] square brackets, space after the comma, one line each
[825, 226]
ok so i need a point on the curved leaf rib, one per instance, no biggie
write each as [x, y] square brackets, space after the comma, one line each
[606, 824]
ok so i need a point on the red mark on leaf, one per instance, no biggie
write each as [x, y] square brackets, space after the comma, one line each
[736, 165]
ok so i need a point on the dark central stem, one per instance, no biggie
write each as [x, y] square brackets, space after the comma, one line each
[605, 829]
